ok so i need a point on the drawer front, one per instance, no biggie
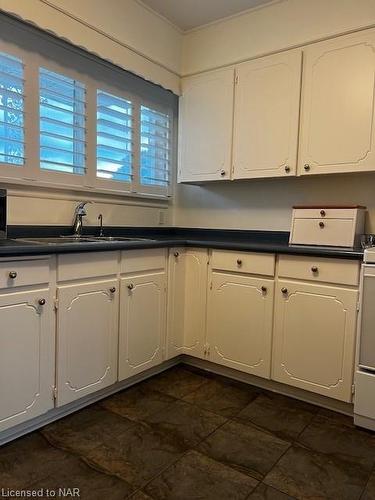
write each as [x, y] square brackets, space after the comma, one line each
[244, 262]
[137, 261]
[23, 273]
[74, 266]
[342, 272]
[325, 213]
[330, 232]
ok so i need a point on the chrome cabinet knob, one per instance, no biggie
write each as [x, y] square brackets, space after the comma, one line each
[222, 173]
[176, 254]
[323, 213]
[13, 275]
[113, 289]
[284, 290]
[314, 269]
[321, 224]
[264, 289]
[239, 262]
[130, 286]
[41, 302]
[287, 169]
[306, 167]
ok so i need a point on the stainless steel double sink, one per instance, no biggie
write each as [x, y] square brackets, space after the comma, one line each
[80, 239]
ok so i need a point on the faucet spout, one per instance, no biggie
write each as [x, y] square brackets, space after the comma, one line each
[79, 213]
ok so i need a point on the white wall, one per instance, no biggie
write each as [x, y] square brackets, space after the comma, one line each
[120, 31]
[266, 204]
[280, 25]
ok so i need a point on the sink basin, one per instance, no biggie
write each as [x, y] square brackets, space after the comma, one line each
[79, 239]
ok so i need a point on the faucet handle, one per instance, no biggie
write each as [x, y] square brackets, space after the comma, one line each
[80, 208]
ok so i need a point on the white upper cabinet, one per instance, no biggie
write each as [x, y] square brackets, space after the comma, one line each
[266, 115]
[206, 119]
[188, 271]
[337, 130]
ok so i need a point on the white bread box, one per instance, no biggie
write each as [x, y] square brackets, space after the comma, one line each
[338, 226]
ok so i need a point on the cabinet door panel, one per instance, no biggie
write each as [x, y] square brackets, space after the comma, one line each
[314, 338]
[26, 357]
[87, 339]
[142, 323]
[206, 119]
[266, 116]
[188, 271]
[240, 323]
[337, 131]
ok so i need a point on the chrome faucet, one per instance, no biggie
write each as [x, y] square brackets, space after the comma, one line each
[79, 213]
[100, 219]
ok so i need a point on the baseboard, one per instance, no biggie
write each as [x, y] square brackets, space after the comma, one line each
[56, 413]
[271, 385]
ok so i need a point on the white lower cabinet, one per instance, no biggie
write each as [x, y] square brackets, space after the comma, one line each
[87, 338]
[26, 356]
[314, 337]
[187, 301]
[142, 322]
[239, 329]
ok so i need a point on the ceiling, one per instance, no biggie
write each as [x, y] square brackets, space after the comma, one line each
[188, 14]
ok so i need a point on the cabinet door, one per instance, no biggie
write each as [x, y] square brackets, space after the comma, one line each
[206, 119]
[27, 347]
[87, 336]
[187, 301]
[314, 337]
[240, 322]
[337, 129]
[142, 323]
[266, 116]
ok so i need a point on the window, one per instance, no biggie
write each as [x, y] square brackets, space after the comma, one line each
[73, 121]
[114, 150]
[62, 123]
[155, 148]
[12, 147]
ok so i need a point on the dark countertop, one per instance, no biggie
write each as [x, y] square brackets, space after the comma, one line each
[253, 241]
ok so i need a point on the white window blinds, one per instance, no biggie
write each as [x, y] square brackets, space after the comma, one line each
[114, 150]
[62, 123]
[12, 143]
[155, 154]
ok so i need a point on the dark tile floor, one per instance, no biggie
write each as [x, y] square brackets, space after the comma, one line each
[187, 434]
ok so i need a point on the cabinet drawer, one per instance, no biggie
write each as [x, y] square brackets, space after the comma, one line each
[23, 273]
[244, 262]
[86, 265]
[329, 232]
[343, 272]
[325, 213]
[136, 261]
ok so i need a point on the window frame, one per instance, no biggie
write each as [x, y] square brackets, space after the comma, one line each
[35, 58]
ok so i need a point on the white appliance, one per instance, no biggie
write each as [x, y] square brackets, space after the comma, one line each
[364, 398]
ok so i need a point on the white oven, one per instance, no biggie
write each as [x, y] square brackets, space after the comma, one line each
[364, 398]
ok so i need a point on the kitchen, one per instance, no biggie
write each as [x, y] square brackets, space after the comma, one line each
[186, 205]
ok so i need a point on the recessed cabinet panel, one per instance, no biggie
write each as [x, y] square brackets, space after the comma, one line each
[337, 116]
[266, 116]
[188, 271]
[206, 119]
[240, 311]
[314, 338]
[87, 338]
[26, 356]
[142, 323]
